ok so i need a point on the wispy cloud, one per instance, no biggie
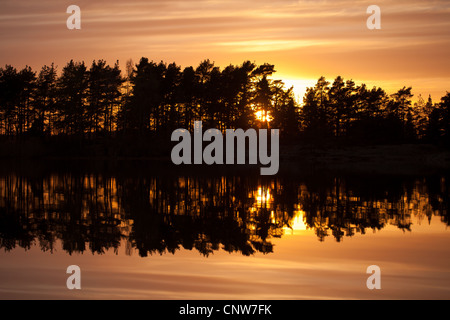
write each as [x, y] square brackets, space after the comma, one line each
[307, 37]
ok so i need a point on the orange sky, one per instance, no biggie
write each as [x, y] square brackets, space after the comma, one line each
[304, 39]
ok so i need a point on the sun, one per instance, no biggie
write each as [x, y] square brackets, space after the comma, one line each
[263, 116]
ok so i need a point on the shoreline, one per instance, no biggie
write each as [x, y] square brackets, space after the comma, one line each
[405, 159]
[381, 159]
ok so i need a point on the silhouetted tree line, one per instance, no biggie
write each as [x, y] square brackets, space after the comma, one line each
[346, 111]
[150, 99]
[163, 214]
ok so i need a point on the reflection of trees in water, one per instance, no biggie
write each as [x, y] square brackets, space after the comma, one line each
[96, 212]
[344, 208]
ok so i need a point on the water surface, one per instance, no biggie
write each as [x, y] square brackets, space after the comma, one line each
[143, 231]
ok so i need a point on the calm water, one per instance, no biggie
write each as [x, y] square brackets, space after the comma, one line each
[141, 231]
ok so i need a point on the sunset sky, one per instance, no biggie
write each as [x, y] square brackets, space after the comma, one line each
[304, 39]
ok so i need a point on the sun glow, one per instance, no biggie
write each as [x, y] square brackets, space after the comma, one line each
[263, 116]
[299, 86]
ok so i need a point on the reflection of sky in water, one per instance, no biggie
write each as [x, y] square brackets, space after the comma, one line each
[414, 265]
[223, 215]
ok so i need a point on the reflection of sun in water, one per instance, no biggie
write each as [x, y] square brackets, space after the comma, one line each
[297, 223]
[263, 197]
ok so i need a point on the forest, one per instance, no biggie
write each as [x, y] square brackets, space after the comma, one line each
[128, 112]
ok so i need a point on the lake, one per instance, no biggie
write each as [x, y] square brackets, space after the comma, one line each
[140, 230]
